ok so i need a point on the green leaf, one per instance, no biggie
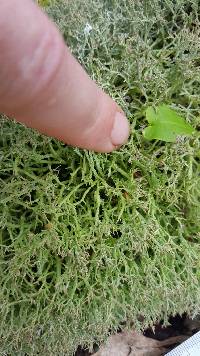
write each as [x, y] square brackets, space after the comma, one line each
[165, 124]
[44, 3]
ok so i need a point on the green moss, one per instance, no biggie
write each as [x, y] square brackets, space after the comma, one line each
[89, 241]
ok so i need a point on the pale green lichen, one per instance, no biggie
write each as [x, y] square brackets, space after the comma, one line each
[89, 241]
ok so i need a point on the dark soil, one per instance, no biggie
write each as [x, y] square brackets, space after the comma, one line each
[178, 325]
[81, 352]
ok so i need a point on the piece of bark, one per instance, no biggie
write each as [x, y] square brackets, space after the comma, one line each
[136, 344]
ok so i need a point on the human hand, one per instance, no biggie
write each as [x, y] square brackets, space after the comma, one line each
[44, 87]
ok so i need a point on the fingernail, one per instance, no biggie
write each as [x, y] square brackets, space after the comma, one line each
[120, 131]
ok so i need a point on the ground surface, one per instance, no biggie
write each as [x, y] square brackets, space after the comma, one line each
[178, 330]
[90, 241]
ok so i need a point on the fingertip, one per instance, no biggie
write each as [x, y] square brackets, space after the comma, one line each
[120, 131]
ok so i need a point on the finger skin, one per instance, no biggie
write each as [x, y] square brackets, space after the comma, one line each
[43, 86]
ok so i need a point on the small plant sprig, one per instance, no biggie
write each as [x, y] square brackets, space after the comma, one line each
[165, 124]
